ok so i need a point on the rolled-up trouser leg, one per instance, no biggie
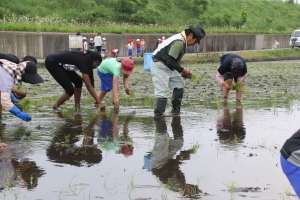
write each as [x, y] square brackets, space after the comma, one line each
[160, 107]
[176, 100]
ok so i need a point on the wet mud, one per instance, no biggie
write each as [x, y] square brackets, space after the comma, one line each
[212, 151]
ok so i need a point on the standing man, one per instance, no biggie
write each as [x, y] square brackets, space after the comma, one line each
[166, 70]
[98, 42]
[232, 67]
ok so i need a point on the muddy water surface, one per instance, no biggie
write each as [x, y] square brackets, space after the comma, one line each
[213, 151]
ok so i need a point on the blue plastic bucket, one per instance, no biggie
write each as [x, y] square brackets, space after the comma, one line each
[147, 60]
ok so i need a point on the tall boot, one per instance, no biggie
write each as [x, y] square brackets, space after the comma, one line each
[176, 101]
[160, 107]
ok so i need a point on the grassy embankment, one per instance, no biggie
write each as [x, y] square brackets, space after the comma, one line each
[153, 16]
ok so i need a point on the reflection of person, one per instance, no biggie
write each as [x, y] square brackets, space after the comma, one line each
[62, 65]
[12, 73]
[290, 160]
[164, 161]
[109, 73]
[109, 138]
[63, 148]
[232, 67]
[231, 127]
[18, 172]
[165, 68]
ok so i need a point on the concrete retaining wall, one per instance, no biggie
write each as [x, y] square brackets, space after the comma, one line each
[41, 44]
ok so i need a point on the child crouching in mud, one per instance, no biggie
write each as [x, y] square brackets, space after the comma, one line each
[109, 72]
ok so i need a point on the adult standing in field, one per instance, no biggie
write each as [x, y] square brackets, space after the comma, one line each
[168, 73]
[62, 65]
[12, 73]
[290, 160]
[233, 67]
[109, 73]
[143, 47]
[98, 42]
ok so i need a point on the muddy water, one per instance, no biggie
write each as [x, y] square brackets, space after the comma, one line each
[213, 151]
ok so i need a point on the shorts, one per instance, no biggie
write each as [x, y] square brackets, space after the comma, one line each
[103, 50]
[143, 48]
[292, 172]
[138, 50]
[106, 81]
[129, 52]
[229, 76]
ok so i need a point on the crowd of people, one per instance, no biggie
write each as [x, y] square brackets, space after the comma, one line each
[166, 71]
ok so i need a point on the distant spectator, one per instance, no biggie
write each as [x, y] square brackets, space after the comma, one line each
[103, 48]
[85, 45]
[98, 42]
[92, 44]
[129, 47]
[114, 53]
[157, 43]
[138, 47]
[163, 38]
[143, 47]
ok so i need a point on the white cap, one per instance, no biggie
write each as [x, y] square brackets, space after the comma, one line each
[159, 39]
[163, 37]
[137, 40]
[84, 38]
[104, 38]
[91, 38]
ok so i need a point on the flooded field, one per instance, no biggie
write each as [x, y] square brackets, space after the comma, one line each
[211, 152]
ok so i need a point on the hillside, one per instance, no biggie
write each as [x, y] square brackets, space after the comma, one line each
[125, 16]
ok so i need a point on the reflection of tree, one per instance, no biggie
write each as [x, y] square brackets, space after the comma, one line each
[109, 138]
[230, 127]
[63, 148]
[161, 159]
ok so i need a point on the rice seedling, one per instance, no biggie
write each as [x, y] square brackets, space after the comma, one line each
[26, 104]
[237, 86]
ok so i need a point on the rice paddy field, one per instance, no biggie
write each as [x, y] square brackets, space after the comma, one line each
[213, 151]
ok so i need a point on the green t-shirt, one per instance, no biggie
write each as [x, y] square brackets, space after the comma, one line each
[111, 66]
[176, 49]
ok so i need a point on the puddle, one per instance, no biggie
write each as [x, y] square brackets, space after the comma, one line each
[211, 152]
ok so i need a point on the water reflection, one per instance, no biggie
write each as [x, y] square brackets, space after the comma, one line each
[109, 138]
[230, 127]
[15, 168]
[165, 158]
[64, 147]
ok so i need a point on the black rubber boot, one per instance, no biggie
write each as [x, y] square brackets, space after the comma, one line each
[176, 101]
[160, 107]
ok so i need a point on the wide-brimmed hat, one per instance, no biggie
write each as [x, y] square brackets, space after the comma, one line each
[237, 67]
[127, 66]
[198, 32]
[31, 75]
